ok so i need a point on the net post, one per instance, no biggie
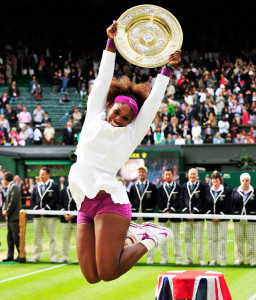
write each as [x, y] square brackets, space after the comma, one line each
[22, 224]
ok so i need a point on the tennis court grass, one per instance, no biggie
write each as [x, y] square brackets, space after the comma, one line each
[66, 282]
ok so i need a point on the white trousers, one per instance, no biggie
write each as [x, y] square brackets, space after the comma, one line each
[177, 249]
[197, 228]
[217, 241]
[245, 231]
[50, 226]
[67, 229]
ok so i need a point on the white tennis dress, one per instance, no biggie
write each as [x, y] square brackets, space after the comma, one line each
[102, 148]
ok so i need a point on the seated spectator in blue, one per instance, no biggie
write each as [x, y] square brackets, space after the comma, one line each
[239, 139]
[4, 131]
[198, 140]
[218, 139]
[13, 92]
[28, 135]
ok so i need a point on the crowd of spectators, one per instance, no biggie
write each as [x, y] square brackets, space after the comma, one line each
[211, 97]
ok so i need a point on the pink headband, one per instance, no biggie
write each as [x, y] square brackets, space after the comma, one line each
[128, 100]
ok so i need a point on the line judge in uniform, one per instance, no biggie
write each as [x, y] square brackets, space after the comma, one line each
[217, 202]
[244, 203]
[168, 200]
[45, 196]
[143, 198]
[192, 202]
[68, 222]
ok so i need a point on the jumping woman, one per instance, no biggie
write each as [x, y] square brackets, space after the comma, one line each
[119, 114]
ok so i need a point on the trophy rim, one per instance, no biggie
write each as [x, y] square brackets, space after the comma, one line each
[168, 28]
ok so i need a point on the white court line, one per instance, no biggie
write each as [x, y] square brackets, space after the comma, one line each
[253, 297]
[32, 273]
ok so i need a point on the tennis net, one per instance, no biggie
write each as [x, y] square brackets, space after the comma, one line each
[197, 239]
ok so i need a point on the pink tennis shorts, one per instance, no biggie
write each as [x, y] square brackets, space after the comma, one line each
[90, 208]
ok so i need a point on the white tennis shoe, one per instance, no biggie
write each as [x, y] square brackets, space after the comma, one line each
[135, 234]
[158, 234]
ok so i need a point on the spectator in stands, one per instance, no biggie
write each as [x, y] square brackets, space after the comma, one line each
[234, 128]
[168, 200]
[49, 134]
[69, 135]
[186, 129]
[192, 202]
[5, 122]
[45, 196]
[64, 99]
[223, 126]
[33, 84]
[217, 201]
[143, 198]
[65, 81]
[38, 115]
[21, 136]
[10, 210]
[188, 140]
[196, 130]
[13, 134]
[4, 132]
[228, 139]
[24, 117]
[180, 140]
[83, 92]
[148, 138]
[38, 93]
[236, 110]
[10, 115]
[37, 136]
[249, 138]
[208, 131]
[68, 221]
[62, 184]
[158, 136]
[77, 116]
[13, 92]
[19, 109]
[244, 203]
[218, 139]
[198, 140]
[28, 135]
[169, 140]
[3, 101]
[46, 119]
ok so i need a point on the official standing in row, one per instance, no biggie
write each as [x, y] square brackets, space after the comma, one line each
[169, 203]
[192, 202]
[143, 198]
[45, 196]
[68, 222]
[244, 203]
[217, 202]
[11, 208]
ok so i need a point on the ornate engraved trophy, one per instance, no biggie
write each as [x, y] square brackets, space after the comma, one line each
[147, 34]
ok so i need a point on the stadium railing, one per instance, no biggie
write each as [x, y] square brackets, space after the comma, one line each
[228, 241]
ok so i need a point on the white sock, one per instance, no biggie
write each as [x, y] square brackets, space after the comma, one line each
[128, 242]
[149, 244]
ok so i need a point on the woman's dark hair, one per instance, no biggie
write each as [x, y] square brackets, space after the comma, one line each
[138, 92]
[216, 175]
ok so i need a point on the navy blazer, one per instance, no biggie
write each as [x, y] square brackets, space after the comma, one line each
[48, 200]
[219, 206]
[147, 200]
[241, 207]
[67, 203]
[192, 202]
[169, 202]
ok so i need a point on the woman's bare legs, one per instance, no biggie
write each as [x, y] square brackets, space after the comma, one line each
[101, 251]
[86, 251]
[112, 258]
